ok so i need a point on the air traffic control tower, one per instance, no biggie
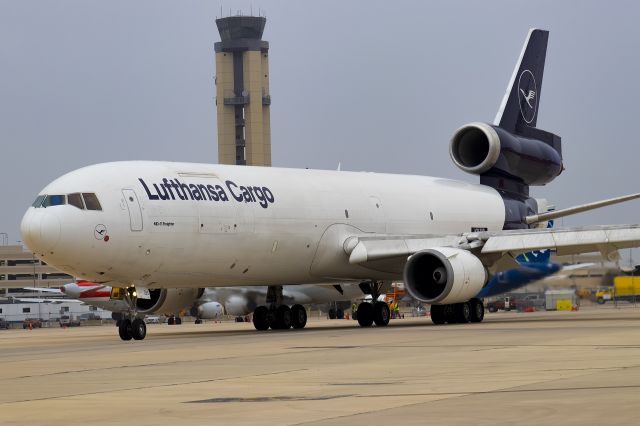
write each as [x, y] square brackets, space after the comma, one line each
[242, 92]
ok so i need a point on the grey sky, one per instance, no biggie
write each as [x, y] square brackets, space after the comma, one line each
[376, 85]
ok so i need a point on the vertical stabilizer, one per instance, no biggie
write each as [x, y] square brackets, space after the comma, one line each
[519, 107]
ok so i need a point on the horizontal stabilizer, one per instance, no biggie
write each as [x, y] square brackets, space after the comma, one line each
[541, 217]
[604, 239]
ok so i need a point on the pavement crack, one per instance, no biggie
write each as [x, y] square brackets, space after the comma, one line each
[164, 385]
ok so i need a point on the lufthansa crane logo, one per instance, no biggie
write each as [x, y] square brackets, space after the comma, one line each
[100, 232]
[527, 96]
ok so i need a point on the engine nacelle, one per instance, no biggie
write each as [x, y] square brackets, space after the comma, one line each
[444, 275]
[477, 148]
[168, 300]
[239, 305]
[210, 310]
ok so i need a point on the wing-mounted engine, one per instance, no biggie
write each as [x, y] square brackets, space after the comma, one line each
[240, 305]
[444, 275]
[210, 310]
[168, 300]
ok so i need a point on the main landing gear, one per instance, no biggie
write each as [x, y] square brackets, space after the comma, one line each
[457, 313]
[130, 326]
[375, 312]
[277, 315]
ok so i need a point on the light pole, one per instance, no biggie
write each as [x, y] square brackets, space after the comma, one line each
[5, 238]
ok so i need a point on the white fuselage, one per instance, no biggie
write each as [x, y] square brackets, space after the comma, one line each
[255, 225]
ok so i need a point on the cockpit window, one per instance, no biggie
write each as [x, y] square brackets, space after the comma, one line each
[38, 202]
[76, 200]
[54, 200]
[86, 200]
[91, 201]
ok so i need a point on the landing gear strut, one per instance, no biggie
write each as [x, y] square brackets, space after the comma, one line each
[277, 315]
[458, 313]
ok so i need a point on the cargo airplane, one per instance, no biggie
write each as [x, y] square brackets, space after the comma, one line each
[147, 226]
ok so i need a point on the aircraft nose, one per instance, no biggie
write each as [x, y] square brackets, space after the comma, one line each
[40, 230]
[28, 228]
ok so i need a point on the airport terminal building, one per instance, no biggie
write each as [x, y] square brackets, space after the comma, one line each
[23, 269]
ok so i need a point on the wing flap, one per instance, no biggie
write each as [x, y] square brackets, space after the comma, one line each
[565, 241]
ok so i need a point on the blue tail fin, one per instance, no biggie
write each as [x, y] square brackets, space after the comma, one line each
[536, 256]
[519, 108]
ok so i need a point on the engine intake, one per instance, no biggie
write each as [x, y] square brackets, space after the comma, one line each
[475, 148]
[478, 148]
[444, 275]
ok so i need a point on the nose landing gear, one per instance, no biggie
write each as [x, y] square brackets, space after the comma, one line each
[136, 329]
[131, 327]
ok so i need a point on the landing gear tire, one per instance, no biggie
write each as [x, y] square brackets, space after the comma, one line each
[365, 314]
[171, 320]
[124, 329]
[298, 316]
[178, 320]
[138, 329]
[437, 314]
[198, 321]
[381, 314]
[260, 318]
[462, 312]
[477, 310]
[450, 314]
[283, 318]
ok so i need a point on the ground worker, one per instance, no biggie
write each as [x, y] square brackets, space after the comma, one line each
[392, 308]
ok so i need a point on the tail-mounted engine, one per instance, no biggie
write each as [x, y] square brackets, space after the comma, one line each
[512, 153]
[444, 275]
[483, 149]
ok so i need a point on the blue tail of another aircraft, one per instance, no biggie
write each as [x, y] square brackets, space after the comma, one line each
[534, 266]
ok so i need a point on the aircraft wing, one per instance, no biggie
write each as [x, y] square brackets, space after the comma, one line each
[12, 284]
[574, 267]
[44, 289]
[605, 239]
[496, 250]
[39, 300]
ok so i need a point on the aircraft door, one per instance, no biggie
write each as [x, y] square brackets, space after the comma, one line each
[377, 215]
[135, 213]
